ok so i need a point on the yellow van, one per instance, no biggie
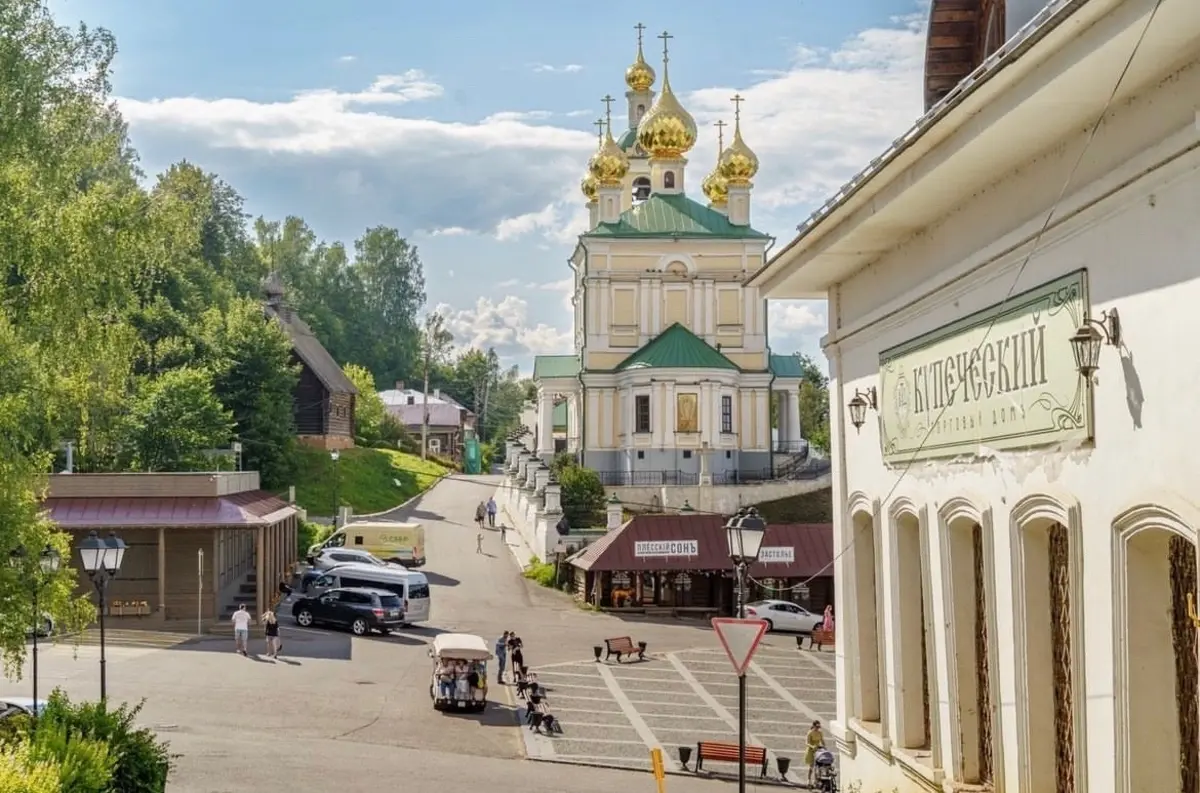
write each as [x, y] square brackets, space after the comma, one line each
[391, 541]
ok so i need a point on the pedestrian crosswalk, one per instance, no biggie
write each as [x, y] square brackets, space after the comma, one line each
[124, 637]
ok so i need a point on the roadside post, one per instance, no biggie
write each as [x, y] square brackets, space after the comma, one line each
[740, 638]
[660, 773]
[199, 591]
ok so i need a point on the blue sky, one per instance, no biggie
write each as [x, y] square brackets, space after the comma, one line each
[467, 124]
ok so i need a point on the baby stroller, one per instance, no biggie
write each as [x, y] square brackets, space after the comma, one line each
[824, 774]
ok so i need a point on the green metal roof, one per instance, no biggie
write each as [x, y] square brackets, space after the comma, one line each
[673, 215]
[555, 366]
[677, 348]
[786, 366]
[560, 415]
[628, 139]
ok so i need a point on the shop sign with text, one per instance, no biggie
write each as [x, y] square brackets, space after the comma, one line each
[780, 555]
[1002, 378]
[652, 548]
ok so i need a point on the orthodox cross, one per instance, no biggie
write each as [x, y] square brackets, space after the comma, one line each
[599, 125]
[737, 107]
[665, 36]
[608, 100]
[720, 125]
[639, 27]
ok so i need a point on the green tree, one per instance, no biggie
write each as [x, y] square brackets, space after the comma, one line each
[254, 377]
[368, 406]
[435, 346]
[393, 282]
[582, 495]
[814, 403]
[172, 420]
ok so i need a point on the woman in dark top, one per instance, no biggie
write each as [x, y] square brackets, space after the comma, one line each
[518, 658]
[272, 628]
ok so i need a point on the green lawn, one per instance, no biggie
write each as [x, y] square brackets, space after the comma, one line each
[368, 480]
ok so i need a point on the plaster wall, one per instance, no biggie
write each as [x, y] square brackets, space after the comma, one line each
[1129, 219]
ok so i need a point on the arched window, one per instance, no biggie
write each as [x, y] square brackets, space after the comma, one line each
[641, 188]
[641, 111]
[669, 180]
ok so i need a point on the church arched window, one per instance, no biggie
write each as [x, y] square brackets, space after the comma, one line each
[641, 111]
[641, 188]
[669, 180]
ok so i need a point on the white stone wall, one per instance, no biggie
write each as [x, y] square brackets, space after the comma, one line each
[1132, 219]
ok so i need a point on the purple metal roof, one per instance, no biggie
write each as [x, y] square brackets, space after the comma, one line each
[252, 508]
[698, 542]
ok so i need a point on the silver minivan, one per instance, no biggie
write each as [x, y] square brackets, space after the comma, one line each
[411, 586]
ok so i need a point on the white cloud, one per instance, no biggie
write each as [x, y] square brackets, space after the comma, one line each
[450, 231]
[503, 325]
[796, 317]
[508, 283]
[514, 174]
[545, 68]
[347, 59]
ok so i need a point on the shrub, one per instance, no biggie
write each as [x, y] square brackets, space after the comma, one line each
[85, 765]
[541, 572]
[142, 761]
[582, 497]
[309, 534]
[20, 772]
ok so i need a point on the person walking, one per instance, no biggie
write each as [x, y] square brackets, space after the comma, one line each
[479, 543]
[271, 626]
[491, 512]
[241, 629]
[501, 656]
[814, 741]
[481, 514]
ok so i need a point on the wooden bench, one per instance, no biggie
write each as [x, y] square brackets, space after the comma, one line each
[822, 637]
[537, 715]
[623, 646]
[728, 753]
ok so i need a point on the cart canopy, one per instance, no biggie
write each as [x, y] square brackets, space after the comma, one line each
[461, 646]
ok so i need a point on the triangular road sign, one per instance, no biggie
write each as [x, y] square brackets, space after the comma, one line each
[740, 639]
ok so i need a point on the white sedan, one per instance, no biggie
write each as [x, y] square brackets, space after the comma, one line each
[780, 615]
[20, 706]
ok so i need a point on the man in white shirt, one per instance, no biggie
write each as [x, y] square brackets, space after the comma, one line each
[241, 628]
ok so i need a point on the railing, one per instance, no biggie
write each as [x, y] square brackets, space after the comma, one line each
[799, 469]
[791, 447]
[648, 478]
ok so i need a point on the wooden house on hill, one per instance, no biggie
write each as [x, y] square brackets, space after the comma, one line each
[324, 401]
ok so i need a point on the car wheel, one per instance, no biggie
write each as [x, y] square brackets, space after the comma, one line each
[385, 631]
[360, 627]
[304, 618]
[770, 625]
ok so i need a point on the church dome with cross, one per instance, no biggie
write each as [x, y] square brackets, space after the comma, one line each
[667, 131]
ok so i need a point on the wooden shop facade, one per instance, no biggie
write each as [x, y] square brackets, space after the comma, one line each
[680, 563]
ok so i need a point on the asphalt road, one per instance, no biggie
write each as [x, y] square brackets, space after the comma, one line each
[337, 711]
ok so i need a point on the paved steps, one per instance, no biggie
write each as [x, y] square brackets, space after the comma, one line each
[125, 637]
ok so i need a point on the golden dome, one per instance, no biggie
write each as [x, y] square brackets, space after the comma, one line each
[715, 185]
[588, 186]
[639, 77]
[608, 165]
[738, 163]
[667, 131]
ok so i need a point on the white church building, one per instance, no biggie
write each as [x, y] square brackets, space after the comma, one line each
[672, 374]
[1012, 294]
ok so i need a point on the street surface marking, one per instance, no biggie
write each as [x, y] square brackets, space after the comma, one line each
[783, 693]
[815, 661]
[635, 718]
[718, 708]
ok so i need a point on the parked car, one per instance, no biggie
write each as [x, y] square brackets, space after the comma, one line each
[20, 706]
[359, 609]
[780, 615]
[330, 558]
[42, 629]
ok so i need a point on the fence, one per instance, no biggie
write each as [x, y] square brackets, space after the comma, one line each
[803, 469]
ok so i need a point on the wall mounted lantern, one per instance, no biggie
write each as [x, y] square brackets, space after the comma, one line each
[1087, 340]
[859, 404]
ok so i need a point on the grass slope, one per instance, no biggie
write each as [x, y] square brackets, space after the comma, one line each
[367, 479]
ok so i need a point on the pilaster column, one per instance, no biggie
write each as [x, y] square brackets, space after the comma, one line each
[545, 442]
[794, 428]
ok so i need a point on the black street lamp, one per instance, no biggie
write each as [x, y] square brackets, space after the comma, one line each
[335, 455]
[101, 560]
[48, 561]
[745, 532]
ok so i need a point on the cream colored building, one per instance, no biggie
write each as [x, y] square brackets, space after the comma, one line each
[1019, 529]
[672, 367]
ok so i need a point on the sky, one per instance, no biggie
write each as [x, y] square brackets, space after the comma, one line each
[467, 125]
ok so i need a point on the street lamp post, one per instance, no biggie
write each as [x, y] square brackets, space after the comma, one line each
[101, 560]
[744, 532]
[47, 566]
[335, 455]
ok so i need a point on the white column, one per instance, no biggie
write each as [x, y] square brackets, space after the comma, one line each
[764, 419]
[793, 406]
[784, 415]
[545, 424]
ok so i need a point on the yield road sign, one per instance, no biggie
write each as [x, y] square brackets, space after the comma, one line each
[740, 639]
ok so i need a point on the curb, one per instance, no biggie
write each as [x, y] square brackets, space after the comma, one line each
[752, 781]
[431, 486]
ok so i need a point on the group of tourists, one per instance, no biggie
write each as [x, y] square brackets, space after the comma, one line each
[509, 646]
[485, 513]
[242, 620]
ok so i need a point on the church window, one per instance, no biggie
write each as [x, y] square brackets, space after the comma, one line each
[728, 455]
[641, 188]
[641, 111]
[687, 413]
[641, 404]
[641, 455]
[669, 180]
[726, 414]
[687, 454]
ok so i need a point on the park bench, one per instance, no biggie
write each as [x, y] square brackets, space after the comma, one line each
[624, 646]
[821, 637]
[721, 752]
[537, 716]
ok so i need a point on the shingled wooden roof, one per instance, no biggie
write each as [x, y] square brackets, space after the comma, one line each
[962, 33]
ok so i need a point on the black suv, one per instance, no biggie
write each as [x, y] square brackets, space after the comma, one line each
[360, 610]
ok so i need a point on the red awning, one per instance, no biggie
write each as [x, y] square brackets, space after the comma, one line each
[650, 543]
[253, 508]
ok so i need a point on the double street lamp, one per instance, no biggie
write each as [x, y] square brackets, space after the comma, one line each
[101, 560]
[47, 565]
[744, 532]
